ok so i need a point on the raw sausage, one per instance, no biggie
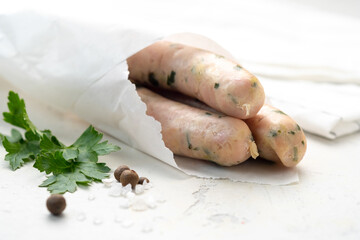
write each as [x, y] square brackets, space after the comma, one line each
[218, 82]
[278, 137]
[196, 133]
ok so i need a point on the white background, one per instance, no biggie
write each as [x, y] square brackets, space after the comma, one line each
[325, 204]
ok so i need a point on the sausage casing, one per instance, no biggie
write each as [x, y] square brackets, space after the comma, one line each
[278, 137]
[200, 134]
[218, 82]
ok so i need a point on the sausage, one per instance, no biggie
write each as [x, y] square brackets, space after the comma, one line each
[278, 137]
[218, 82]
[200, 134]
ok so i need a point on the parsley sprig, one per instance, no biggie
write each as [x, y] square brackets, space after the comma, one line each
[68, 166]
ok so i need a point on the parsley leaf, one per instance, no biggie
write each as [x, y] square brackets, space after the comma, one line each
[2, 137]
[73, 174]
[52, 163]
[96, 171]
[70, 166]
[20, 150]
[85, 143]
[89, 148]
[17, 114]
[66, 182]
[76, 164]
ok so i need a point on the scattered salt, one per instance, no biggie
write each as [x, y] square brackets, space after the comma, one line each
[150, 202]
[139, 205]
[127, 223]
[139, 189]
[148, 186]
[107, 182]
[130, 195]
[118, 219]
[147, 227]
[124, 203]
[91, 197]
[97, 221]
[160, 199]
[125, 190]
[115, 190]
[81, 217]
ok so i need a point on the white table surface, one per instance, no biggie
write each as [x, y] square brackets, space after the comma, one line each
[325, 204]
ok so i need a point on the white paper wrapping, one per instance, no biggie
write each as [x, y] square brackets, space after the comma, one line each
[82, 69]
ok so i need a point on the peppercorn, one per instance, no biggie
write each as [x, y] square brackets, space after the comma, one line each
[56, 204]
[119, 171]
[142, 179]
[129, 176]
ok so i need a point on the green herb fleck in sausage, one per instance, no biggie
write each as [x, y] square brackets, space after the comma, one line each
[237, 67]
[171, 78]
[233, 99]
[193, 69]
[208, 154]
[273, 133]
[216, 85]
[295, 154]
[174, 45]
[279, 111]
[188, 141]
[153, 80]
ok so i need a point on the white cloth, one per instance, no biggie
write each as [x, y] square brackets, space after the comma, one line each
[326, 109]
[299, 40]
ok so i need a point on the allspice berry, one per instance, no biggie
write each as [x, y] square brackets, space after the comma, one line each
[142, 179]
[129, 176]
[56, 204]
[119, 171]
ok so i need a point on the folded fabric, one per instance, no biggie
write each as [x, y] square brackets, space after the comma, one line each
[296, 41]
[326, 109]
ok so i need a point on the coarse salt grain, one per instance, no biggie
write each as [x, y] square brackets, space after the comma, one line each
[107, 182]
[81, 217]
[150, 202]
[124, 203]
[130, 195]
[139, 205]
[127, 223]
[139, 189]
[125, 190]
[148, 186]
[118, 219]
[147, 227]
[116, 190]
[160, 199]
[97, 221]
[91, 197]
